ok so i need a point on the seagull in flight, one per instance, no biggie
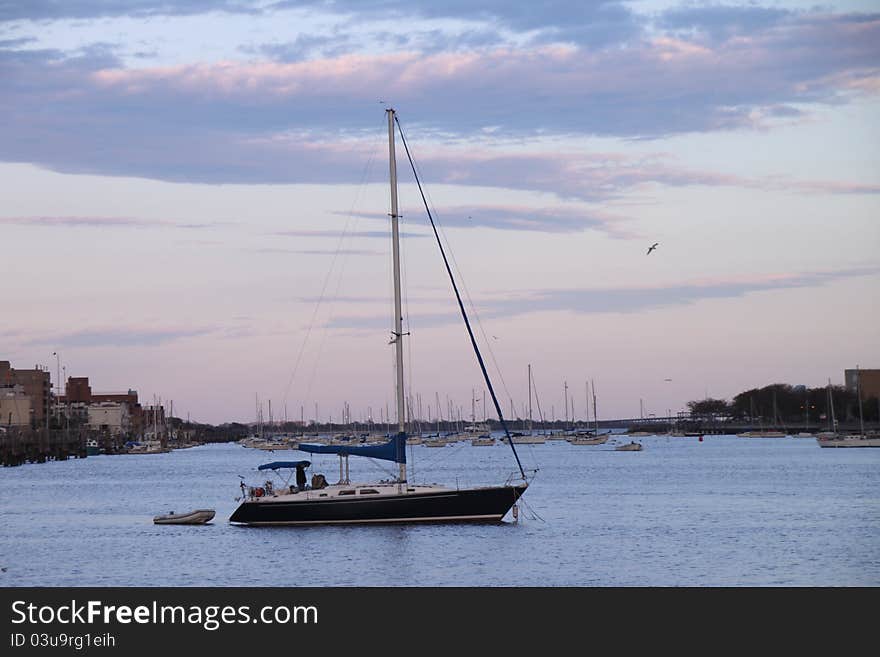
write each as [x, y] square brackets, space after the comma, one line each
[653, 246]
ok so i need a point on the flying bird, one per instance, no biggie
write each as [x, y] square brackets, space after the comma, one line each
[653, 246]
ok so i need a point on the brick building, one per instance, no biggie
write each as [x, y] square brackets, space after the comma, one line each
[35, 384]
[15, 407]
[870, 382]
[79, 394]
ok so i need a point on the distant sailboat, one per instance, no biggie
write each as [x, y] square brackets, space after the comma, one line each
[530, 438]
[763, 433]
[860, 439]
[588, 437]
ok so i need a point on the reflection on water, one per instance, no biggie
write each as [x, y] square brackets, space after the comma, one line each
[722, 512]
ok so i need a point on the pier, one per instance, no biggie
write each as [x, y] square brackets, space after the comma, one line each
[19, 446]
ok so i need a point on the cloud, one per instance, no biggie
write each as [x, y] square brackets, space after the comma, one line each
[720, 22]
[120, 337]
[15, 43]
[596, 22]
[96, 222]
[623, 300]
[322, 252]
[357, 234]
[519, 218]
[304, 47]
[47, 10]
[635, 299]
[306, 121]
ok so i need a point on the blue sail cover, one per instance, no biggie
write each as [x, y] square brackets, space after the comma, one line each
[393, 450]
[279, 465]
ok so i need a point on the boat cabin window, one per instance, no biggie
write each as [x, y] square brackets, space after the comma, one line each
[369, 491]
[346, 492]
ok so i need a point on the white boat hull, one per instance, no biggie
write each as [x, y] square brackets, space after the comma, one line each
[629, 447]
[849, 441]
[598, 440]
[197, 517]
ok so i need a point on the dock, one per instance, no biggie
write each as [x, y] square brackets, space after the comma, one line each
[19, 446]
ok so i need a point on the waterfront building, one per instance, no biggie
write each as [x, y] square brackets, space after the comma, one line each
[79, 395]
[77, 390]
[154, 423]
[110, 417]
[15, 407]
[870, 382]
[36, 385]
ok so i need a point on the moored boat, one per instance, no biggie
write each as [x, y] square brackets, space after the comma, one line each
[588, 439]
[197, 517]
[394, 500]
[629, 447]
[851, 440]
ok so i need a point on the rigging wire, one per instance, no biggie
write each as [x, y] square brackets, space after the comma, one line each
[461, 279]
[330, 314]
[537, 399]
[461, 304]
[530, 509]
[339, 244]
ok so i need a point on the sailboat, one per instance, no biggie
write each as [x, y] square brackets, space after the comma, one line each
[832, 421]
[396, 500]
[530, 438]
[764, 433]
[860, 439]
[587, 437]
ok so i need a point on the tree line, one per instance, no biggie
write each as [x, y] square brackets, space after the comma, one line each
[781, 403]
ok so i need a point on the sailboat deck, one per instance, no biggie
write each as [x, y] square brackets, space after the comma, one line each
[350, 492]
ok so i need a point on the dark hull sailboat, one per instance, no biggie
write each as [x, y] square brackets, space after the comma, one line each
[389, 501]
[419, 504]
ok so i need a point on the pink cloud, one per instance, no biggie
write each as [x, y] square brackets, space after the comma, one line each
[269, 122]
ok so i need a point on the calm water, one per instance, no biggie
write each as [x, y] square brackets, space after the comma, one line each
[725, 512]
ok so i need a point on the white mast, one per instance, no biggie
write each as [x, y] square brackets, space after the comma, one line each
[565, 394]
[587, 399]
[398, 313]
[530, 397]
[595, 414]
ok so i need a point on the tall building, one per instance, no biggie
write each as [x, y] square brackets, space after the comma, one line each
[870, 382]
[35, 384]
[77, 390]
[15, 407]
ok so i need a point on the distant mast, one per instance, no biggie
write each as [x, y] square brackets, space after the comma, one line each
[398, 313]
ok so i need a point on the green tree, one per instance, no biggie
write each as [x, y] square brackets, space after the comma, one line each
[709, 407]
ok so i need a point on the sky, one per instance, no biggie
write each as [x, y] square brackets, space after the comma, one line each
[195, 200]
